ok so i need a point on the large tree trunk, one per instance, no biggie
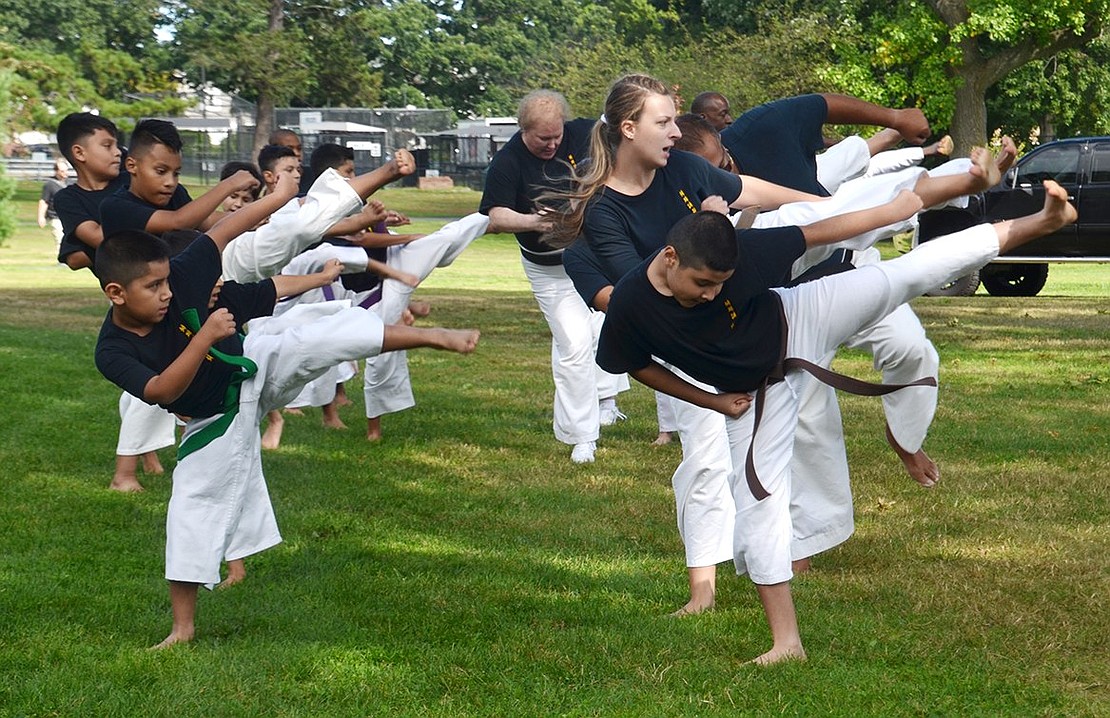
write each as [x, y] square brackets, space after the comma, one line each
[263, 122]
[264, 117]
[969, 121]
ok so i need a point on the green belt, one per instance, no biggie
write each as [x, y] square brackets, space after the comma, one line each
[230, 407]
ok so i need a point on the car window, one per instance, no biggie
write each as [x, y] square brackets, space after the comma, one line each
[1055, 163]
[1100, 163]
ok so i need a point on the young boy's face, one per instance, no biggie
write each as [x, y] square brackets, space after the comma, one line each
[691, 286]
[347, 169]
[237, 200]
[155, 174]
[145, 300]
[99, 153]
[283, 165]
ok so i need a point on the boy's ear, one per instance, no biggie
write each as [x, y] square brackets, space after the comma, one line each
[116, 293]
[78, 152]
[268, 177]
[130, 165]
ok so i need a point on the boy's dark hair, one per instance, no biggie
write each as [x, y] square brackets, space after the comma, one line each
[126, 255]
[235, 165]
[75, 127]
[329, 155]
[270, 154]
[705, 240]
[696, 132]
[149, 133]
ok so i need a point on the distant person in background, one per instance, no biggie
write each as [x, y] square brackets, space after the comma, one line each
[51, 187]
[288, 138]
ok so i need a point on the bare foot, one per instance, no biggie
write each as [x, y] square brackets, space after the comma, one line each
[125, 484]
[778, 654]
[236, 572]
[920, 467]
[374, 428]
[693, 608]
[335, 423]
[462, 341]
[1057, 210]
[271, 438]
[293, 412]
[663, 439]
[420, 309]
[403, 163]
[802, 565]
[983, 168]
[943, 146]
[151, 464]
[173, 639]
[1007, 153]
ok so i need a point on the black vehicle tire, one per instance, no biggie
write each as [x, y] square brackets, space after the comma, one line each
[963, 286]
[1014, 280]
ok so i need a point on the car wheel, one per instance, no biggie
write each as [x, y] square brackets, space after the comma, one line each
[963, 286]
[1014, 280]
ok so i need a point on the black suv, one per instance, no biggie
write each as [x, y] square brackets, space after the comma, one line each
[1082, 167]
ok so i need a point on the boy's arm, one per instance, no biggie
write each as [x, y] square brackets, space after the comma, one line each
[387, 272]
[367, 184]
[168, 386]
[290, 285]
[234, 224]
[377, 240]
[662, 379]
[850, 224]
[372, 212]
[845, 110]
[195, 213]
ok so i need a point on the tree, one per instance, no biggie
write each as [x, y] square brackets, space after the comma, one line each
[7, 185]
[947, 54]
[244, 47]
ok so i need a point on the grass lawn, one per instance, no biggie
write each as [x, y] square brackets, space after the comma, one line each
[463, 566]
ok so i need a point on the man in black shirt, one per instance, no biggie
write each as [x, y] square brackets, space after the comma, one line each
[540, 157]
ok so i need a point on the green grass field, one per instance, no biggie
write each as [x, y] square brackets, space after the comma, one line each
[464, 567]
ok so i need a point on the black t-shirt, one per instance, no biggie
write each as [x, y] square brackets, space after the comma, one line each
[732, 342]
[779, 141]
[130, 361]
[623, 229]
[516, 177]
[585, 271]
[126, 210]
[75, 206]
[50, 188]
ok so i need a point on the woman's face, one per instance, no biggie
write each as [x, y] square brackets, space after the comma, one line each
[653, 135]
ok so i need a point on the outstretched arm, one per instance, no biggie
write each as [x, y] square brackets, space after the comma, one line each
[290, 285]
[662, 379]
[367, 184]
[768, 195]
[845, 110]
[196, 212]
[504, 219]
[234, 224]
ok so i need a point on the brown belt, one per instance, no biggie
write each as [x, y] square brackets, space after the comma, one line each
[826, 376]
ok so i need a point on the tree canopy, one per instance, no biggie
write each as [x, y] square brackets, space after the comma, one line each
[1024, 66]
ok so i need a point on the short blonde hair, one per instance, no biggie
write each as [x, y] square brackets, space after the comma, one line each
[540, 105]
